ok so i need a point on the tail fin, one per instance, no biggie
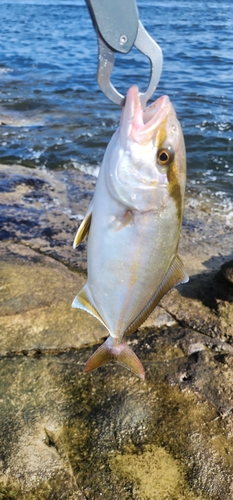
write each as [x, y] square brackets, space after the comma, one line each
[121, 353]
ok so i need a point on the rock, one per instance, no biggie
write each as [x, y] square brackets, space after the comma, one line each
[35, 304]
[158, 318]
[37, 209]
[227, 271]
[108, 435]
[43, 210]
[20, 119]
[204, 304]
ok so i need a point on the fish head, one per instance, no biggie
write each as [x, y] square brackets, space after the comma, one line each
[147, 165]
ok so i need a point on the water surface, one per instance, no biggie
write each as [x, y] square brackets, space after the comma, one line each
[53, 114]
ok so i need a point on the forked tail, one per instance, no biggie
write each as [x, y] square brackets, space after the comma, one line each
[121, 353]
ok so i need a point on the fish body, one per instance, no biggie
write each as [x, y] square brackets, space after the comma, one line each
[133, 226]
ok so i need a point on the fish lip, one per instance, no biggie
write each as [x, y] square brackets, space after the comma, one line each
[139, 124]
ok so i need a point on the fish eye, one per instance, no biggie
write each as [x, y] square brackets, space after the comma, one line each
[165, 156]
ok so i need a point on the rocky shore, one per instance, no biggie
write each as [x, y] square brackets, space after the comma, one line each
[109, 435]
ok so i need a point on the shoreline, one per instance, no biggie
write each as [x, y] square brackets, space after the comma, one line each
[49, 199]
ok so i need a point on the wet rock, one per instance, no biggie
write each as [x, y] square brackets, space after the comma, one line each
[13, 119]
[44, 209]
[41, 210]
[108, 435]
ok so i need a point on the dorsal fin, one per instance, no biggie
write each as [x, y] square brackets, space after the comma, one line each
[84, 227]
[83, 301]
[175, 275]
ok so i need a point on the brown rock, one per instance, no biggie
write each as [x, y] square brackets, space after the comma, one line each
[35, 304]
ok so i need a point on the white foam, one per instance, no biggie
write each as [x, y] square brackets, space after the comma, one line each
[5, 70]
[215, 203]
[87, 169]
[78, 217]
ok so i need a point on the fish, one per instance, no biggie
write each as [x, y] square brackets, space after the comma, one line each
[133, 226]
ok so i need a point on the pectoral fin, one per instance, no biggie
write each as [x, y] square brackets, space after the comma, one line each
[121, 353]
[119, 224]
[84, 227]
[175, 276]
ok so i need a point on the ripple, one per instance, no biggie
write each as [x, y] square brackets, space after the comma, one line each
[54, 115]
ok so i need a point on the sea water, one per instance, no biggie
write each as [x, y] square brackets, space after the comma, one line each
[54, 116]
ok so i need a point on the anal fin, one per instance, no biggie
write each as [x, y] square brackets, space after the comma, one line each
[175, 276]
[83, 301]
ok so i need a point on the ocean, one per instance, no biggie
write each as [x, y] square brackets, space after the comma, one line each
[54, 116]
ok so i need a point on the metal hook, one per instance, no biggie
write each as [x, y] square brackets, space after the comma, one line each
[146, 45]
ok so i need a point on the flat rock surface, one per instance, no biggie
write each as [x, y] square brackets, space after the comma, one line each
[35, 299]
[108, 434]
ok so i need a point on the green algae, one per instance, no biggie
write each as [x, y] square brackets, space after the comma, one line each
[155, 475]
[96, 429]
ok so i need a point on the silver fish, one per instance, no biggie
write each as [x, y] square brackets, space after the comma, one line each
[133, 225]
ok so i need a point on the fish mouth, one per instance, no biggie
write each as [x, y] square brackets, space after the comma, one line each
[141, 125]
